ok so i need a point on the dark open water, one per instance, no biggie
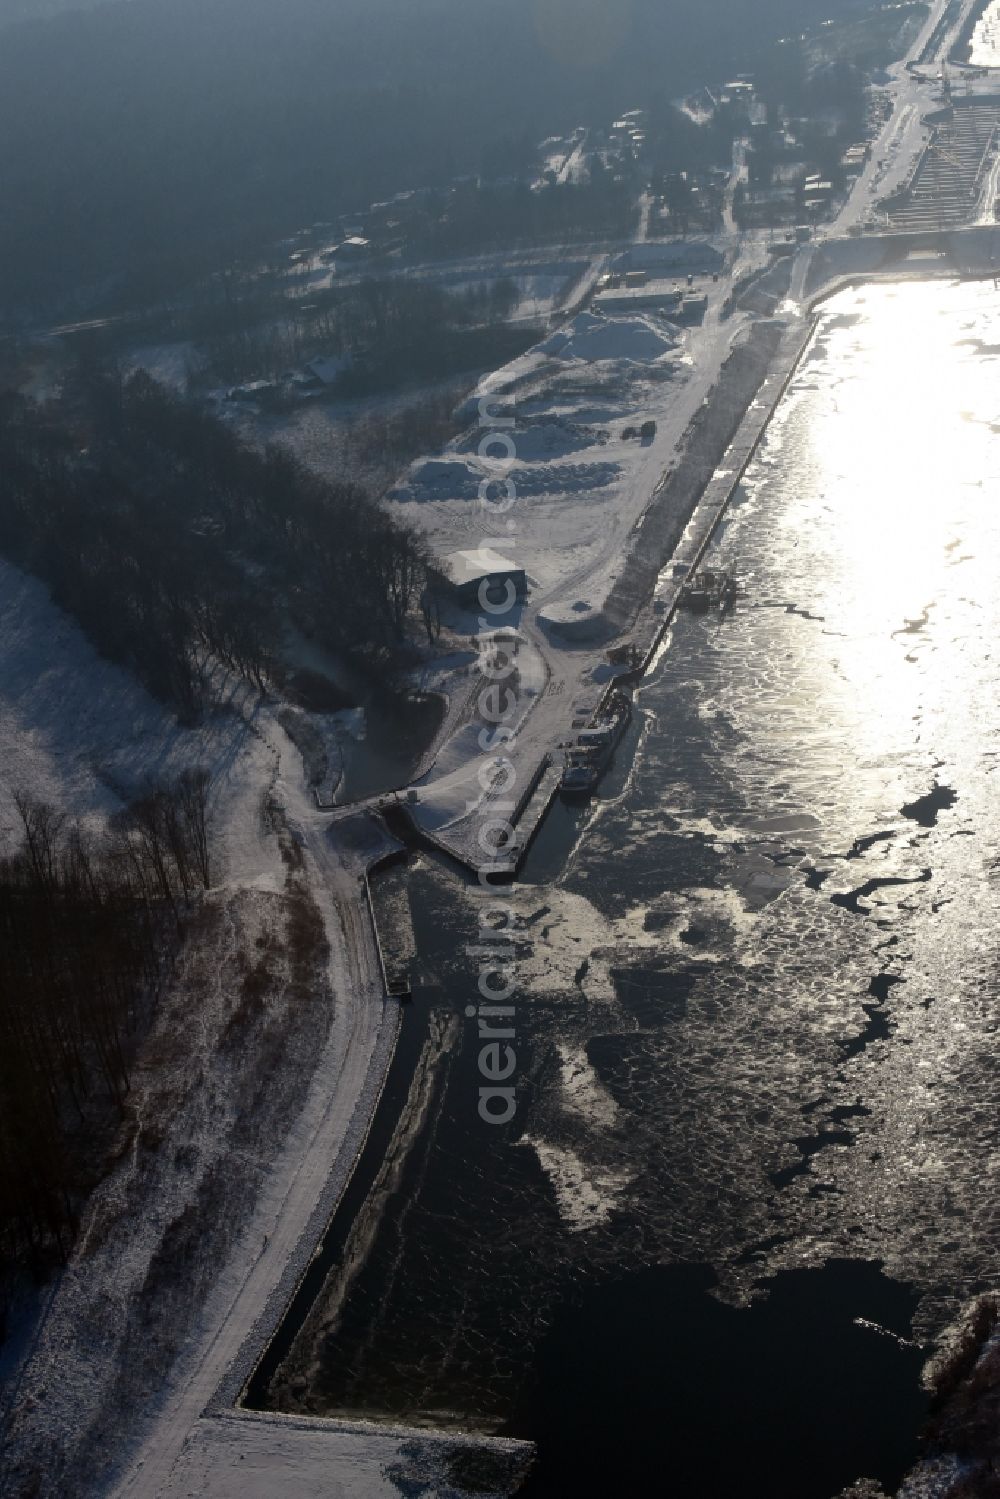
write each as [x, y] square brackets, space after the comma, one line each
[758, 1000]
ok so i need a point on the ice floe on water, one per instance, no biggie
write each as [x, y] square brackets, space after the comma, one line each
[586, 1193]
[708, 923]
[563, 945]
[581, 1090]
[568, 948]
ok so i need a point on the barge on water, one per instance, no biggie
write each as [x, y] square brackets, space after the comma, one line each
[595, 748]
[399, 986]
[709, 588]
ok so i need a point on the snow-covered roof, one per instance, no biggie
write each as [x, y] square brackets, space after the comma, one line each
[466, 567]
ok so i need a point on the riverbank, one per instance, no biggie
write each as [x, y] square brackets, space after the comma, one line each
[551, 673]
[765, 1085]
[304, 1185]
[238, 1302]
[664, 545]
[288, 1372]
[188, 1451]
[226, 1352]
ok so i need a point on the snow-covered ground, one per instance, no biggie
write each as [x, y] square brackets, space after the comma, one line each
[573, 397]
[985, 49]
[541, 276]
[172, 364]
[239, 1456]
[541, 287]
[80, 733]
[131, 1351]
[582, 489]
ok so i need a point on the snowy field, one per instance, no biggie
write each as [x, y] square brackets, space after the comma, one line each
[572, 398]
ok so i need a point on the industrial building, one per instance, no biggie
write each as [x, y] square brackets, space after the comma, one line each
[636, 291]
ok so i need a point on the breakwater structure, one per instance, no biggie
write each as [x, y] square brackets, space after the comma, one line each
[967, 253]
[393, 964]
[671, 539]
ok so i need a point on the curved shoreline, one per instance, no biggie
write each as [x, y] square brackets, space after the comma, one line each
[240, 1374]
[279, 1326]
[225, 1401]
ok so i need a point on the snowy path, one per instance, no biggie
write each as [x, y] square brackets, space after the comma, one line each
[293, 1205]
[572, 167]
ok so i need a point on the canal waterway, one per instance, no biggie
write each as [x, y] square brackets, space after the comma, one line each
[752, 1173]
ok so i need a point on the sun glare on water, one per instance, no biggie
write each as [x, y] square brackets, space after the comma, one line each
[892, 464]
[901, 450]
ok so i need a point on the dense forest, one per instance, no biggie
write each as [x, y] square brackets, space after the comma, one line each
[176, 545]
[386, 332]
[484, 214]
[150, 141]
[88, 926]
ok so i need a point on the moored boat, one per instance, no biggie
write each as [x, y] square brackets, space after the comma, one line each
[595, 747]
[709, 588]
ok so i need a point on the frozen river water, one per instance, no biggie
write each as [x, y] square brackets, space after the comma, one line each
[757, 996]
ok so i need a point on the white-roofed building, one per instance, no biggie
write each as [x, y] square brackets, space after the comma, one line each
[483, 577]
